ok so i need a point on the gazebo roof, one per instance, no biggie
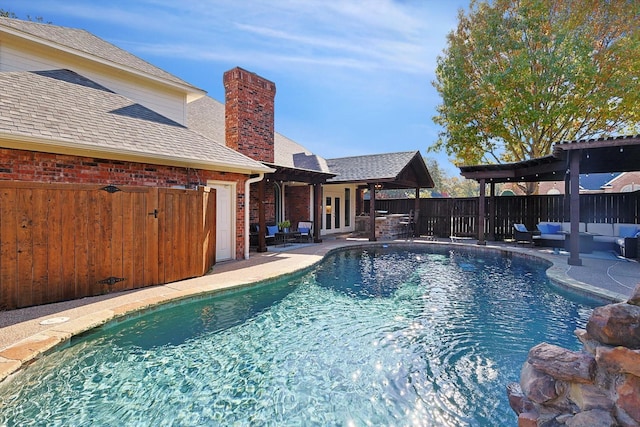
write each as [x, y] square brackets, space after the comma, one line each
[389, 170]
[615, 154]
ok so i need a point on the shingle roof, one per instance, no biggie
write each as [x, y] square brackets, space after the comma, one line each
[206, 116]
[86, 44]
[62, 108]
[369, 167]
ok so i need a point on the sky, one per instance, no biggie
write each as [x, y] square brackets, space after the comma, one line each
[353, 77]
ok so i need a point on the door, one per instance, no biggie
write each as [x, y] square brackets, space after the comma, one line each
[333, 213]
[224, 221]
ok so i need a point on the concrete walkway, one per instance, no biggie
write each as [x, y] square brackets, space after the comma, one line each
[27, 334]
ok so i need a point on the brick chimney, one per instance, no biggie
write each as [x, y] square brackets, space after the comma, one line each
[249, 114]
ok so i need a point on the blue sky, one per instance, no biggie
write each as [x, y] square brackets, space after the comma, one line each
[352, 77]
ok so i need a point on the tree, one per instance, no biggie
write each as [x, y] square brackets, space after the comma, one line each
[520, 75]
[9, 14]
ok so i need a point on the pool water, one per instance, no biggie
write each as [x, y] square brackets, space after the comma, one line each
[379, 336]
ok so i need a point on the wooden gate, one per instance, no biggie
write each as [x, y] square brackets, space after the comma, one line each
[65, 241]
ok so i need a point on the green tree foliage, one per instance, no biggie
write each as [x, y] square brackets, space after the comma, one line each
[520, 75]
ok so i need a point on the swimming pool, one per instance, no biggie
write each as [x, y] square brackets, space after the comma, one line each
[374, 336]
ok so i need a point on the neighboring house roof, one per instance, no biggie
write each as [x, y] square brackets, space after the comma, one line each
[63, 112]
[206, 116]
[84, 44]
[595, 181]
[403, 168]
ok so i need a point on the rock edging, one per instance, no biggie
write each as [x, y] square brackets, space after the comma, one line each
[598, 386]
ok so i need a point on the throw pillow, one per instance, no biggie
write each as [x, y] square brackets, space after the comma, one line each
[554, 228]
[627, 230]
[543, 228]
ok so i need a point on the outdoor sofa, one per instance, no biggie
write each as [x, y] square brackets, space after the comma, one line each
[622, 238]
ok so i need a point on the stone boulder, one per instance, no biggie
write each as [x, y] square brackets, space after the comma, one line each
[517, 400]
[635, 297]
[563, 364]
[629, 397]
[538, 386]
[594, 418]
[616, 325]
[619, 360]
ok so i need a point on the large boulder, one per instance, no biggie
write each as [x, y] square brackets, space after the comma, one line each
[589, 396]
[619, 360]
[563, 364]
[538, 386]
[629, 397]
[594, 418]
[616, 324]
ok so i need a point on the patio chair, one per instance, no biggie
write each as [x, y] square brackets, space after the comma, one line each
[305, 228]
[407, 225]
[521, 234]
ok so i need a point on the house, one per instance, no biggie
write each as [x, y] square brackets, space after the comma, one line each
[78, 111]
[69, 93]
[614, 182]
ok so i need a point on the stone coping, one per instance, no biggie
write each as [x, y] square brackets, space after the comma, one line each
[58, 332]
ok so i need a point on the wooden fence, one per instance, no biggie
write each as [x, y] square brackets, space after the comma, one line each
[443, 217]
[65, 241]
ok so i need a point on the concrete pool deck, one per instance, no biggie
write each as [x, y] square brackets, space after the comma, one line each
[27, 334]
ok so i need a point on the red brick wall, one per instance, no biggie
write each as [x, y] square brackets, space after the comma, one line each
[269, 204]
[32, 166]
[297, 200]
[249, 114]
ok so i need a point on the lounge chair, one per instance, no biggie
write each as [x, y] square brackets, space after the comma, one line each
[521, 234]
[305, 228]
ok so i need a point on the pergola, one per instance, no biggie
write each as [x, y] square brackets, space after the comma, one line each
[283, 173]
[567, 161]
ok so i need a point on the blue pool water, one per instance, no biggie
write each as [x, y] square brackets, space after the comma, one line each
[381, 336]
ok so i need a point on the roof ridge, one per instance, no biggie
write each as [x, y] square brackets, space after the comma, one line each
[83, 42]
[375, 155]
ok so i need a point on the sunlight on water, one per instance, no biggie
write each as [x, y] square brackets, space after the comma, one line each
[381, 336]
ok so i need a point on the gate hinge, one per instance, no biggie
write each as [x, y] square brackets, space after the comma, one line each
[111, 189]
[111, 280]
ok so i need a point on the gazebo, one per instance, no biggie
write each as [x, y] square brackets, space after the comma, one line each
[567, 161]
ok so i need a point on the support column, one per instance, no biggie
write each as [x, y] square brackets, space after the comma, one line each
[492, 211]
[574, 244]
[416, 214]
[372, 212]
[262, 226]
[317, 214]
[481, 212]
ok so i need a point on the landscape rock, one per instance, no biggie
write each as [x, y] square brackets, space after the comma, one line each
[589, 396]
[624, 420]
[594, 418]
[629, 397]
[619, 360]
[635, 297]
[616, 324]
[536, 385]
[597, 387]
[517, 400]
[563, 364]
[528, 419]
